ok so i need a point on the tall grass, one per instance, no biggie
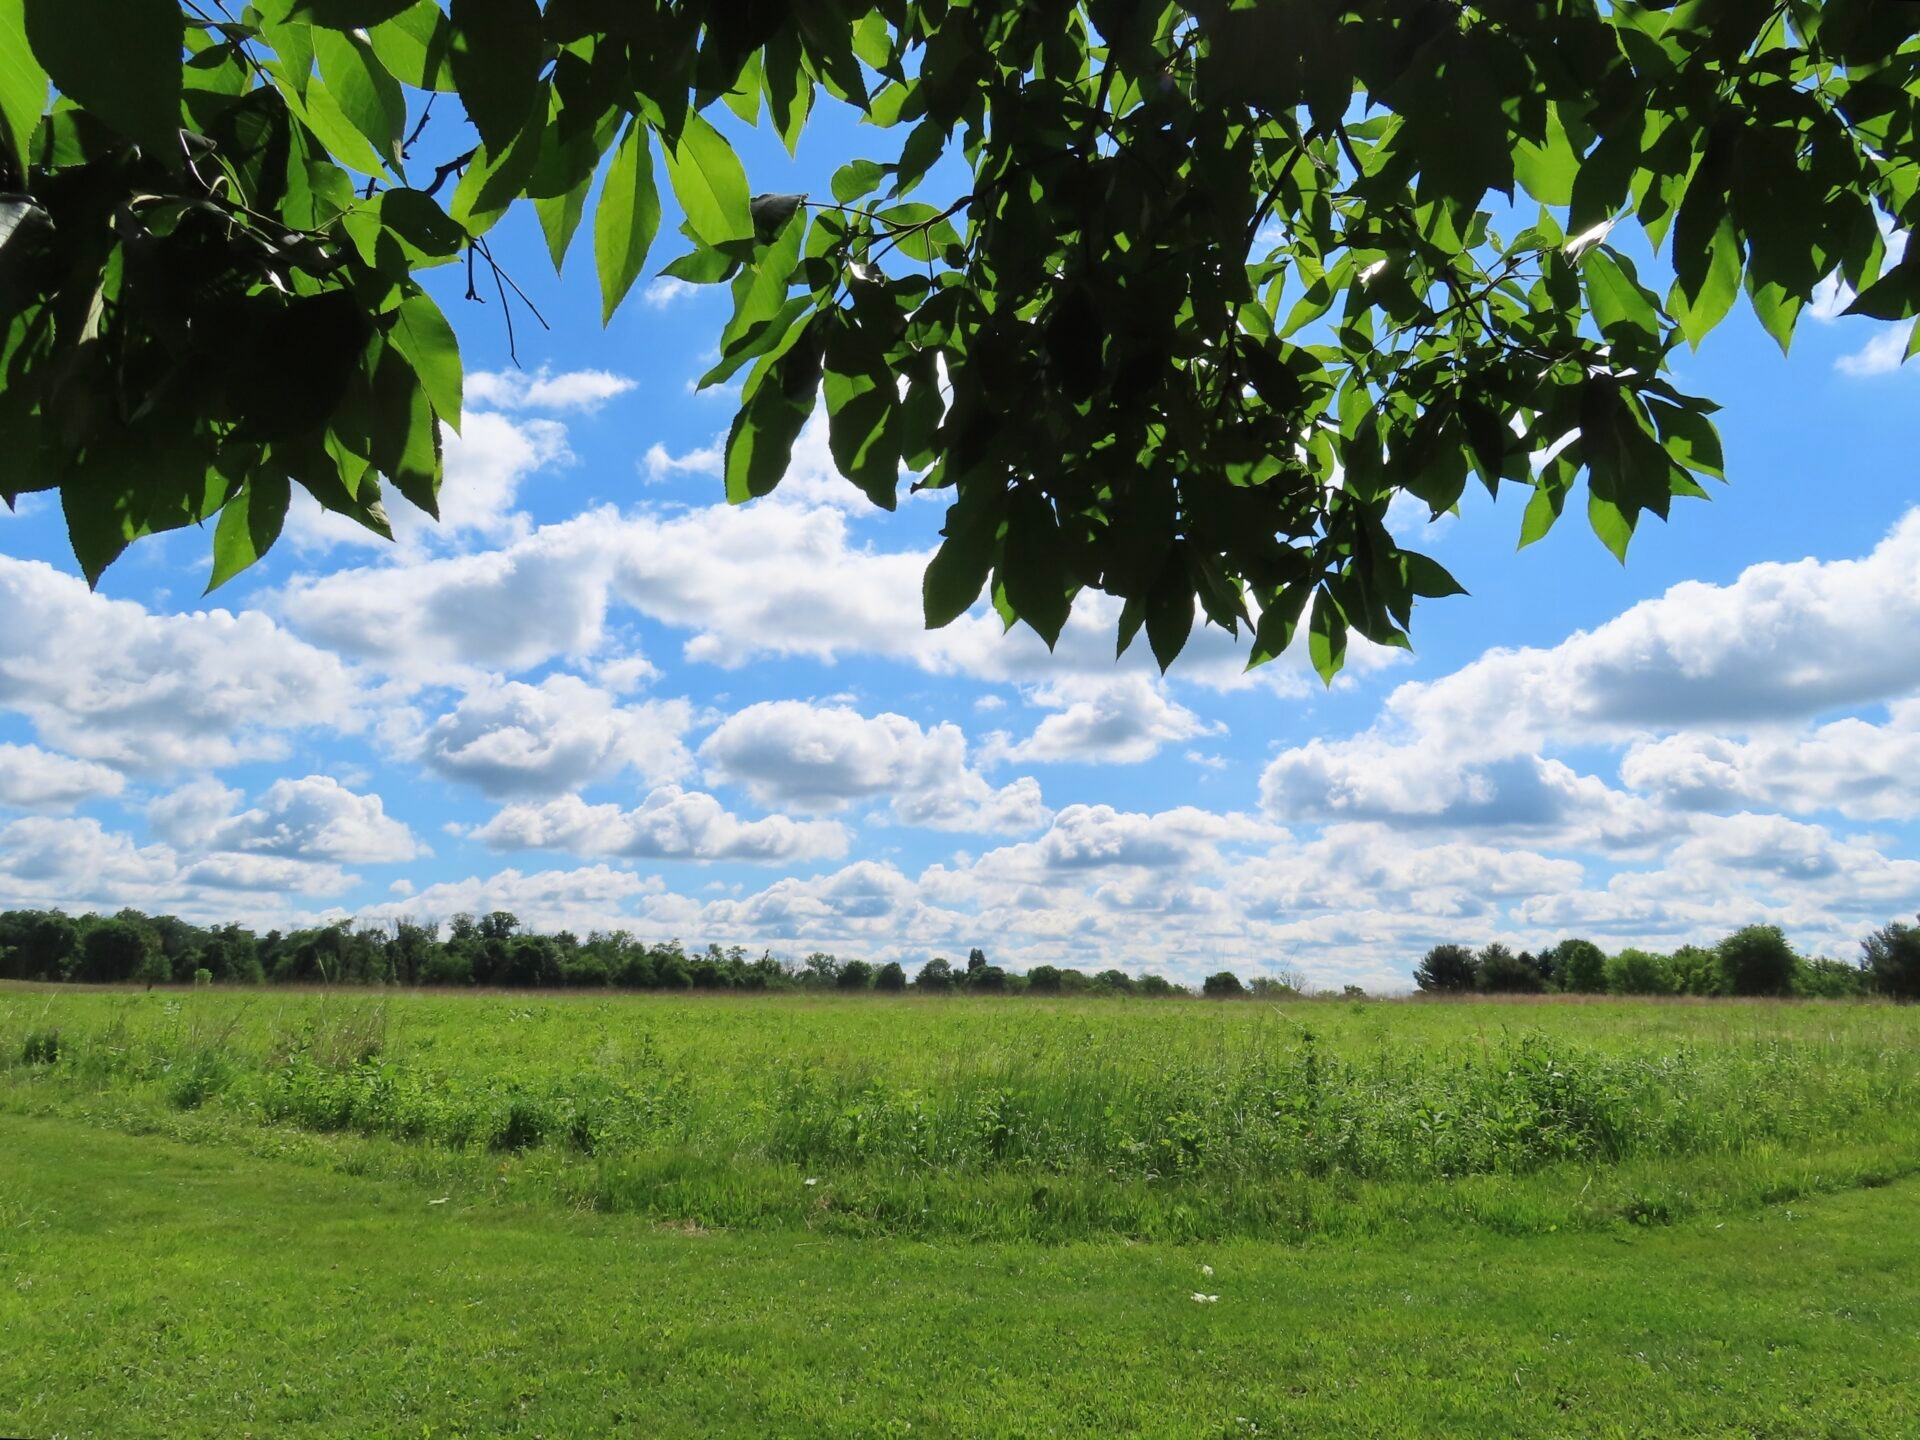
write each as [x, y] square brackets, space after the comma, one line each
[977, 1117]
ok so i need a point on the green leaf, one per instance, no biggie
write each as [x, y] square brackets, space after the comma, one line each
[1169, 611]
[779, 397]
[1689, 437]
[1033, 569]
[1610, 523]
[627, 217]
[23, 84]
[368, 96]
[496, 64]
[416, 46]
[348, 14]
[118, 58]
[1895, 295]
[1427, 576]
[856, 179]
[710, 184]
[559, 217]
[404, 434]
[422, 335]
[959, 568]
[321, 113]
[1718, 288]
[862, 403]
[1547, 170]
[249, 524]
[1617, 299]
[760, 290]
[1326, 636]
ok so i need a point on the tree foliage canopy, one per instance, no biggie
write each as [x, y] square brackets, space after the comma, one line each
[1227, 276]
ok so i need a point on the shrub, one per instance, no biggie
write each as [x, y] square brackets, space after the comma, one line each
[989, 979]
[1277, 987]
[1758, 961]
[1892, 960]
[890, 978]
[1158, 986]
[936, 974]
[447, 965]
[1501, 972]
[1579, 966]
[855, 975]
[1825, 979]
[41, 1047]
[1446, 969]
[673, 973]
[588, 970]
[114, 951]
[1697, 972]
[1223, 986]
[202, 976]
[1639, 972]
[1112, 982]
[1044, 980]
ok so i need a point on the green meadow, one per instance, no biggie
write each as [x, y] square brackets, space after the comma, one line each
[412, 1213]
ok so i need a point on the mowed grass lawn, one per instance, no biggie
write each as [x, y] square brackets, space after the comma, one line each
[270, 1213]
[148, 1288]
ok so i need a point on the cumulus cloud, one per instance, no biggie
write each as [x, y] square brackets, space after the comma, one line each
[583, 899]
[36, 779]
[543, 390]
[1122, 721]
[670, 824]
[1882, 355]
[511, 739]
[309, 819]
[799, 756]
[109, 681]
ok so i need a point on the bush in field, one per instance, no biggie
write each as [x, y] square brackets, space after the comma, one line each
[1696, 971]
[1892, 960]
[1157, 986]
[41, 1047]
[1579, 967]
[1043, 980]
[588, 970]
[1827, 979]
[1758, 961]
[1501, 972]
[37, 945]
[855, 975]
[671, 971]
[890, 978]
[1639, 972]
[634, 970]
[1446, 969]
[1287, 986]
[114, 951]
[936, 975]
[1223, 986]
[446, 965]
[1113, 982]
[987, 979]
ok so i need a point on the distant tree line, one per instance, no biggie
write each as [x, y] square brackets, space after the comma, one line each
[495, 950]
[1754, 960]
[130, 947]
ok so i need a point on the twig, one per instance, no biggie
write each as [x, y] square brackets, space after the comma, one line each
[406, 145]
[442, 172]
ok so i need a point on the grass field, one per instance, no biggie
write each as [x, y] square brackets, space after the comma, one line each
[278, 1213]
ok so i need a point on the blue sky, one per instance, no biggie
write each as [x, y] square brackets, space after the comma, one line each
[599, 697]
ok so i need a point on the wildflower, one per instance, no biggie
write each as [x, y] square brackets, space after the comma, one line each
[1200, 1299]
[810, 1180]
[1207, 1270]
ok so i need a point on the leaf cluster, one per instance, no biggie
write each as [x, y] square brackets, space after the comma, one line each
[1226, 277]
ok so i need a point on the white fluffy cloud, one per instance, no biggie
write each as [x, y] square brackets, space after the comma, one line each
[36, 779]
[110, 681]
[510, 739]
[670, 824]
[1122, 721]
[543, 390]
[314, 818]
[794, 755]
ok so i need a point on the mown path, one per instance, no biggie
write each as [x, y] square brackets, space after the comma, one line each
[152, 1289]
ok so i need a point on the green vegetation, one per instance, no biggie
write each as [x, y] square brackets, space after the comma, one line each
[1171, 299]
[150, 1288]
[1017, 1120]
